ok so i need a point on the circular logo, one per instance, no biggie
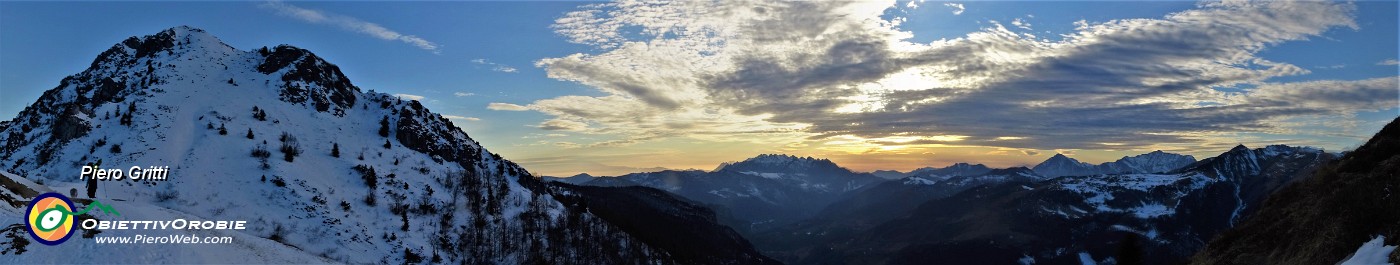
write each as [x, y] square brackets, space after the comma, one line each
[49, 218]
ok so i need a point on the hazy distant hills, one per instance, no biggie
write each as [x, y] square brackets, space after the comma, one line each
[761, 192]
[1061, 165]
[958, 169]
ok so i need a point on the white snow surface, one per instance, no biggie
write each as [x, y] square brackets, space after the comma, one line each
[1373, 252]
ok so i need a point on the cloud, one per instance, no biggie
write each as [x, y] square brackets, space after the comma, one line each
[495, 66]
[456, 117]
[836, 72]
[1327, 97]
[409, 97]
[563, 125]
[1020, 23]
[1388, 62]
[463, 94]
[957, 8]
[347, 23]
[506, 107]
[1030, 152]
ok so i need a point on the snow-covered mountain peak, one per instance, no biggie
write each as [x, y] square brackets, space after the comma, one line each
[1242, 161]
[185, 58]
[780, 158]
[165, 46]
[358, 162]
[1154, 162]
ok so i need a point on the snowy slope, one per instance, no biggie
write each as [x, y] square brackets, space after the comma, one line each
[168, 99]
[246, 249]
[1373, 252]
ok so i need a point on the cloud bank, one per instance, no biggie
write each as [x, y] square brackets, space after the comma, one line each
[837, 72]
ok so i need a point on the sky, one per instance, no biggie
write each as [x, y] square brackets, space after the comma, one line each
[610, 88]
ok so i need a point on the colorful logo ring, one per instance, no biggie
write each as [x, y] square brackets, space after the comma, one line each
[49, 218]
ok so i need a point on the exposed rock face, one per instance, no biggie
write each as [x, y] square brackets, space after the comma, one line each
[309, 70]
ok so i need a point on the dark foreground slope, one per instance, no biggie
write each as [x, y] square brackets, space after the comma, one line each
[1325, 218]
[687, 230]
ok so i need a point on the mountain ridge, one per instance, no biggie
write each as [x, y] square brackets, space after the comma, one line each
[1005, 221]
[1151, 162]
[1320, 220]
[372, 178]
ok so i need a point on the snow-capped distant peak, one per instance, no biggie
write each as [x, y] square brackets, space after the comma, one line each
[779, 158]
[779, 163]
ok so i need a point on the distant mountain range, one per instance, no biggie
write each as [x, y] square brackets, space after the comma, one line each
[1154, 162]
[1061, 165]
[760, 192]
[1058, 220]
[1172, 203]
[958, 169]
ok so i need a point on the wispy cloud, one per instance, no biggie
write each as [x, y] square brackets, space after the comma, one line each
[1388, 62]
[563, 125]
[409, 96]
[463, 94]
[506, 107]
[347, 23]
[957, 8]
[495, 66]
[458, 117]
